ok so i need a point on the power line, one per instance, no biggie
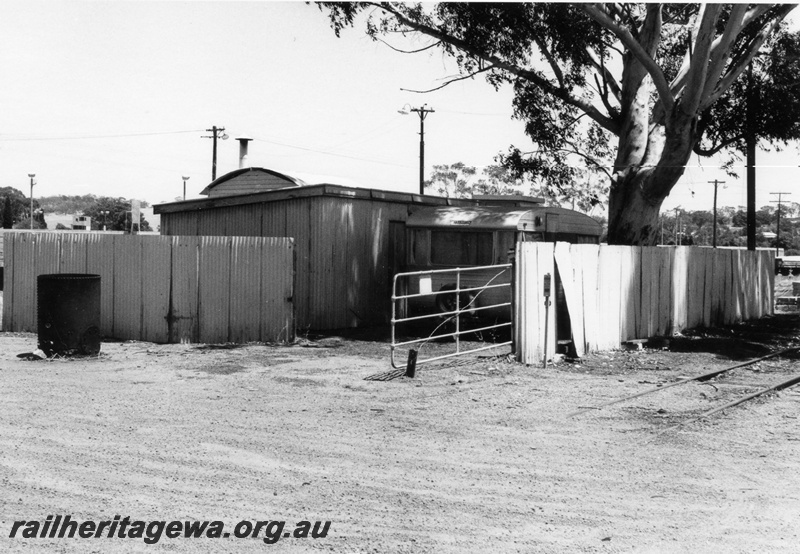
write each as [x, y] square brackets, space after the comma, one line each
[328, 153]
[84, 137]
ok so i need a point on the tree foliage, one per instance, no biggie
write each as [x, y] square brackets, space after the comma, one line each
[459, 180]
[629, 91]
[16, 207]
[113, 213]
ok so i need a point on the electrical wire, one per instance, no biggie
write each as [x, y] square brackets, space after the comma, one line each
[382, 162]
[85, 137]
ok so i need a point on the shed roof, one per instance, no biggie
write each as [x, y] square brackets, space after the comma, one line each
[290, 181]
[473, 217]
[332, 191]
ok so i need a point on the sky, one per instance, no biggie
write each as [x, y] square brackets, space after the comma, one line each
[115, 99]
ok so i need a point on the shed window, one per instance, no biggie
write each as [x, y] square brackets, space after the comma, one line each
[461, 248]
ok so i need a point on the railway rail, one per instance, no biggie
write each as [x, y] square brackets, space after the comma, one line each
[703, 377]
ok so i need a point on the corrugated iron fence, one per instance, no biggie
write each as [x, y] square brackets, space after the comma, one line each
[619, 293]
[163, 289]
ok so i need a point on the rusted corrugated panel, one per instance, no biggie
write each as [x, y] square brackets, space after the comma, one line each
[214, 289]
[183, 307]
[156, 259]
[245, 289]
[277, 290]
[127, 287]
[100, 261]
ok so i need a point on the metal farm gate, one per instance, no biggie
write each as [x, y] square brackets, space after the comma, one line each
[450, 304]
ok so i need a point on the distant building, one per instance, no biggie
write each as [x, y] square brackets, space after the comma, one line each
[81, 223]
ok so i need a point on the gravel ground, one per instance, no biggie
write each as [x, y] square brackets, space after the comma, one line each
[475, 455]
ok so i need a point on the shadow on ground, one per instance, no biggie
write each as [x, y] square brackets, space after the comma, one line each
[744, 340]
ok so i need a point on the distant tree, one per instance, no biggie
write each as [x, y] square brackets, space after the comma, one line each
[765, 216]
[65, 204]
[117, 217]
[8, 214]
[459, 180]
[451, 181]
[497, 179]
[20, 204]
[739, 218]
[38, 221]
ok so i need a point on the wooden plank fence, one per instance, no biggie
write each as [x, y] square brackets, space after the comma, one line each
[619, 293]
[162, 288]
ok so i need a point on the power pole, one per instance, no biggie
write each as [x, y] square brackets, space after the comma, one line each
[216, 133]
[33, 182]
[779, 201]
[423, 111]
[750, 150]
[716, 184]
[677, 225]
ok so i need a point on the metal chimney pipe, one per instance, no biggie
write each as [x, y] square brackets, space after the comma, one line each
[243, 151]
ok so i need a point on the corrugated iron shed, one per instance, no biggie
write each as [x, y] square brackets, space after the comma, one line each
[345, 257]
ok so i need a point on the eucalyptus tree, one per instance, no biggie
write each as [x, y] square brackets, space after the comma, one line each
[631, 90]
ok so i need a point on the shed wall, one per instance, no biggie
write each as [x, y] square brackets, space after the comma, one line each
[342, 247]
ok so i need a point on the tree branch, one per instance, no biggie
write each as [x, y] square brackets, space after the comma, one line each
[698, 66]
[451, 81]
[736, 68]
[636, 49]
[434, 45]
[608, 79]
[680, 78]
[722, 46]
[715, 149]
[549, 57]
[603, 120]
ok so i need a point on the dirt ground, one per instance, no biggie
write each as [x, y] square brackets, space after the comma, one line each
[471, 455]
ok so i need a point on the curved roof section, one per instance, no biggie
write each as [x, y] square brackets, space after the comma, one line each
[290, 181]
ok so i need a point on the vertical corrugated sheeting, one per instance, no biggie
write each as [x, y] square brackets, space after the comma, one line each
[277, 289]
[128, 299]
[183, 223]
[74, 253]
[341, 248]
[215, 288]
[8, 280]
[245, 265]
[163, 289]
[616, 293]
[22, 303]
[156, 277]
[183, 323]
[100, 261]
